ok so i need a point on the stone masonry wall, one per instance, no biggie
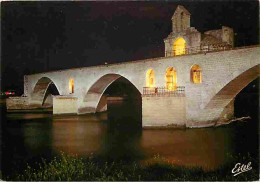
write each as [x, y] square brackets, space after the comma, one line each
[191, 36]
[65, 105]
[164, 111]
[218, 69]
[228, 35]
[225, 34]
[17, 103]
[180, 22]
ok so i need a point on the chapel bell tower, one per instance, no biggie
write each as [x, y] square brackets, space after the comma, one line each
[180, 19]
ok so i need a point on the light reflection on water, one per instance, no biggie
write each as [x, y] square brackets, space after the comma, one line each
[22, 116]
[190, 147]
[77, 134]
[116, 134]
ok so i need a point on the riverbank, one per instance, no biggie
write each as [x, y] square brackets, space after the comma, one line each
[65, 167]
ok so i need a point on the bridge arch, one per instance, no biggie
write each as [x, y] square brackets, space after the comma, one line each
[93, 98]
[39, 94]
[221, 105]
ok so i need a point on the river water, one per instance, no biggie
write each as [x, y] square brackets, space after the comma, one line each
[117, 134]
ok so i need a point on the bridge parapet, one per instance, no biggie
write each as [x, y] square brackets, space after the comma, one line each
[163, 91]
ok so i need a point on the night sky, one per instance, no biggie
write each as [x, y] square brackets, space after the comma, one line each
[44, 36]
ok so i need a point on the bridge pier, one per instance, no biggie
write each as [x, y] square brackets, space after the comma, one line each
[65, 104]
[211, 116]
[17, 103]
[164, 109]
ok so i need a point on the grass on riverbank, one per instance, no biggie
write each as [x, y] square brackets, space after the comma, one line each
[67, 168]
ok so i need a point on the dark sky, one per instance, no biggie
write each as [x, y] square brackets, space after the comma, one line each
[45, 36]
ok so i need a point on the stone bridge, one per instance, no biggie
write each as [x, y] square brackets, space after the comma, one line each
[223, 74]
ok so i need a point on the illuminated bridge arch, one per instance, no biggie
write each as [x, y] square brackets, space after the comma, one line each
[218, 106]
[40, 91]
[93, 98]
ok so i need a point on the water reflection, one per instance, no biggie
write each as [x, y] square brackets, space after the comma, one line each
[24, 116]
[117, 135]
[191, 147]
[80, 135]
[123, 131]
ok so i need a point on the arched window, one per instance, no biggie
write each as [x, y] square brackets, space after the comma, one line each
[171, 79]
[195, 74]
[179, 47]
[71, 86]
[150, 78]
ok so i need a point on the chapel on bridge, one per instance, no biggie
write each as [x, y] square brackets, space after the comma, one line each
[185, 39]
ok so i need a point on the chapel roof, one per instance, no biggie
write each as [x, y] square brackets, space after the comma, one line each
[182, 9]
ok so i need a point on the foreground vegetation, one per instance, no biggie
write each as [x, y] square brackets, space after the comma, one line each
[65, 167]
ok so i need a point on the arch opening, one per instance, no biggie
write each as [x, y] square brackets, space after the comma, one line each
[124, 103]
[150, 78]
[195, 74]
[171, 78]
[179, 46]
[122, 88]
[246, 102]
[51, 91]
[95, 100]
[222, 104]
[43, 92]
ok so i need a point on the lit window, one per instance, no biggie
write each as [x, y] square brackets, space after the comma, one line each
[71, 85]
[179, 47]
[171, 79]
[195, 74]
[150, 78]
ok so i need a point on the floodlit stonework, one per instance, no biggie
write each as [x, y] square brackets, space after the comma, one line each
[224, 75]
[195, 41]
[192, 90]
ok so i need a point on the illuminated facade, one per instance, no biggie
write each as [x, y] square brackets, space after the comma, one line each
[185, 39]
[204, 81]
